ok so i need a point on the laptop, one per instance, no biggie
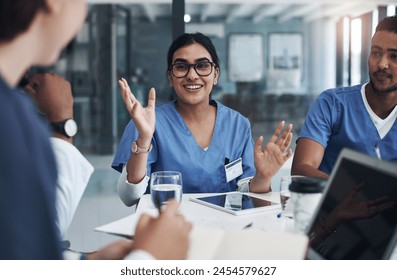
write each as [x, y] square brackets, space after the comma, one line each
[357, 216]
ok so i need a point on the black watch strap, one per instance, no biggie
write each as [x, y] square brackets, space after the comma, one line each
[67, 127]
[58, 127]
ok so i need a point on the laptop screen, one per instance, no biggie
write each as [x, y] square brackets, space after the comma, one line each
[357, 216]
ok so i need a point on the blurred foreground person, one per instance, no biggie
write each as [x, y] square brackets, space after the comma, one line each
[34, 33]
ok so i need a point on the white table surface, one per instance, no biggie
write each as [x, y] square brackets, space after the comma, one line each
[204, 216]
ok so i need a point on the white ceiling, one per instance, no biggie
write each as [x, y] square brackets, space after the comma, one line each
[255, 10]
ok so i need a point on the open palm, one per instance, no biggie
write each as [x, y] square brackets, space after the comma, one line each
[269, 160]
[143, 118]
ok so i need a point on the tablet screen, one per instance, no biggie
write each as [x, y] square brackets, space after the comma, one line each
[236, 202]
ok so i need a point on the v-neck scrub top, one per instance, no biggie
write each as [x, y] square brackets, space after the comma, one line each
[175, 149]
[338, 119]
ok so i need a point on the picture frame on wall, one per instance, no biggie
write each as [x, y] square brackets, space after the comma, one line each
[245, 57]
[284, 72]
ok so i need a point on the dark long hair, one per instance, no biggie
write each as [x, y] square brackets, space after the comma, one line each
[189, 39]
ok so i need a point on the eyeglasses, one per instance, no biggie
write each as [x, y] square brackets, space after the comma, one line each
[202, 68]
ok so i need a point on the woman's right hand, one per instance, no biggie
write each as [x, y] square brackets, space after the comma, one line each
[143, 118]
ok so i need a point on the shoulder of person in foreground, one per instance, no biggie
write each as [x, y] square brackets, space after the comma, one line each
[25, 148]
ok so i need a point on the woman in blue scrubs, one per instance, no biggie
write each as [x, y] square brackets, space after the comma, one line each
[209, 143]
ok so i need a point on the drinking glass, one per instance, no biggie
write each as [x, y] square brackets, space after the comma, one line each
[285, 194]
[165, 185]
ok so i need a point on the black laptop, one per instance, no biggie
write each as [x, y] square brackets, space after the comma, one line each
[357, 216]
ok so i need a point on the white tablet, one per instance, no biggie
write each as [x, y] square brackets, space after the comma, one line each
[237, 203]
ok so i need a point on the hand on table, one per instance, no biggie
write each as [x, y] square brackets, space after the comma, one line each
[117, 250]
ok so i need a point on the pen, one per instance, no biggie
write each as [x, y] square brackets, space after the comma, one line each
[248, 226]
[281, 215]
[377, 152]
[158, 203]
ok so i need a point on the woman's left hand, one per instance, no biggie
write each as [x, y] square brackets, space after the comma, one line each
[276, 152]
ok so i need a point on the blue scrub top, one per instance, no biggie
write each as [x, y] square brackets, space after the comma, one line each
[175, 148]
[337, 119]
[27, 182]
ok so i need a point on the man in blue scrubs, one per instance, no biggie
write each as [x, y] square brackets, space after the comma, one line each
[361, 117]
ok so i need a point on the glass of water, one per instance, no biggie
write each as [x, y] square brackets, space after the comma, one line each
[165, 185]
[285, 194]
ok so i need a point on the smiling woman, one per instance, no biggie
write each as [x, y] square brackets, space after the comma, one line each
[193, 134]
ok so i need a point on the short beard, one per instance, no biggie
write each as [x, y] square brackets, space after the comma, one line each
[384, 91]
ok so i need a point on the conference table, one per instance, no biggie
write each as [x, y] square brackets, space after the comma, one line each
[201, 215]
[220, 235]
[204, 216]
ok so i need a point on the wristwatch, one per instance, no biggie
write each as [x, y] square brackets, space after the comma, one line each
[67, 127]
[137, 150]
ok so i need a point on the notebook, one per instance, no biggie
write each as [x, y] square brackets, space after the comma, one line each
[360, 232]
[220, 244]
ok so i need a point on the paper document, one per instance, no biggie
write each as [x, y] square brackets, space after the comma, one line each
[207, 243]
[218, 244]
[125, 226]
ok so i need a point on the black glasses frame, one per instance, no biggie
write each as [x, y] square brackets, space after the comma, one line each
[194, 65]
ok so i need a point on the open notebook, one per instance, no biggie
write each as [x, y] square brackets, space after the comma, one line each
[219, 244]
[207, 243]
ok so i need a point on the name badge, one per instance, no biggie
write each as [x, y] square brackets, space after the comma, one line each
[234, 169]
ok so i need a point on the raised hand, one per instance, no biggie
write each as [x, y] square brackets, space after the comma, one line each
[276, 152]
[53, 95]
[143, 118]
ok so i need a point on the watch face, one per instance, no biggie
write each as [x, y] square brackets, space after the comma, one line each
[70, 128]
[134, 147]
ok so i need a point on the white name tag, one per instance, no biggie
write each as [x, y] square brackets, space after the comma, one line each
[234, 169]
